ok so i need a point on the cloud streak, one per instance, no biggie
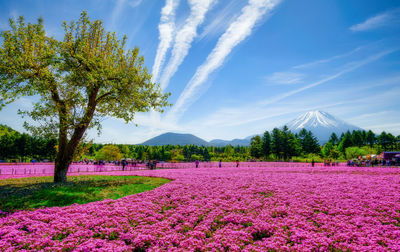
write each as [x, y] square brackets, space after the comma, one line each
[383, 19]
[116, 12]
[166, 29]
[184, 38]
[285, 78]
[353, 66]
[257, 111]
[322, 61]
[237, 31]
[221, 21]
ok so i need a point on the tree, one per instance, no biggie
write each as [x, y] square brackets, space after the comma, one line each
[356, 138]
[109, 153]
[293, 146]
[326, 150]
[383, 140]
[355, 152]
[125, 151]
[345, 142]
[391, 140]
[276, 143]
[80, 79]
[256, 149]
[266, 144]
[309, 143]
[370, 138]
[334, 139]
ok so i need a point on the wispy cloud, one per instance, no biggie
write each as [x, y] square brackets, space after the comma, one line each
[351, 67]
[184, 38]
[285, 78]
[263, 110]
[237, 31]
[166, 29]
[322, 61]
[387, 18]
[134, 3]
[221, 21]
[115, 14]
[387, 127]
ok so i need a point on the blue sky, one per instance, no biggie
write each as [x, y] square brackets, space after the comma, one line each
[238, 68]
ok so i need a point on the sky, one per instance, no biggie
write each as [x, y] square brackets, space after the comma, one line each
[237, 68]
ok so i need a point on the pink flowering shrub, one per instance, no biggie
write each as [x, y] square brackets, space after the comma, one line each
[236, 209]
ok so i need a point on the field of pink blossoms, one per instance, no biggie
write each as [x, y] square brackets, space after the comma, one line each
[227, 209]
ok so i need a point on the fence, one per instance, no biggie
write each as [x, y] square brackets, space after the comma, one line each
[48, 168]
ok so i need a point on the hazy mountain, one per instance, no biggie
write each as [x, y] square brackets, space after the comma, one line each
[234, 142]
[321, 124]
[175, 139]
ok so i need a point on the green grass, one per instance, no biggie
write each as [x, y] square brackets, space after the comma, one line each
[38, 192]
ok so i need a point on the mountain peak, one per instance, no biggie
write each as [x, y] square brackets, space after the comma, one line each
[313, 119]
[321, 124]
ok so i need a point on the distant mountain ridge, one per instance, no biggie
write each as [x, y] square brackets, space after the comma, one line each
[175, 139]
[234, 142]
[321, 124]
[187, 139]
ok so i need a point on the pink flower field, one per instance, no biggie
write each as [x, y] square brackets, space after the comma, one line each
[227, 209]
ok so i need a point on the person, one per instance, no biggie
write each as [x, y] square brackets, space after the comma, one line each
[197, 163]
[220, 163]
[237, 163]
[123, 164]
[312, 163]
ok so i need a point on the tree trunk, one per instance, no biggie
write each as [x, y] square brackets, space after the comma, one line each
[60, 171]
[67, 148]
[63, 160]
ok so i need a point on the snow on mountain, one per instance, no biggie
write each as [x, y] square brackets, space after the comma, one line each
[321, 124]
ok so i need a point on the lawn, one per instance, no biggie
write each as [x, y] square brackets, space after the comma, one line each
[38, 192]
[226, 209]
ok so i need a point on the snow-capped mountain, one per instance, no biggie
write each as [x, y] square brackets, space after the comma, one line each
[321, 124]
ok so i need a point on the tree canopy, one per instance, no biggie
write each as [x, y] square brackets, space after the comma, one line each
[84, 77]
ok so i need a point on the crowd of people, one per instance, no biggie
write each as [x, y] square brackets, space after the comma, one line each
[373, 162]
[152, 164]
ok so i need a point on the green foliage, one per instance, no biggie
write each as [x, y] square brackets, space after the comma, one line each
[355, 152]
[80, 79]
[326, 150]
[266, 144]
[197, 157]
[345, 142]
[285, 144]
[37, 192]
[256, 147]
[109, 153]
[309, 143]
[23, 147]
[308, 158]
[335, 153]
[333, 139]
[370, 138]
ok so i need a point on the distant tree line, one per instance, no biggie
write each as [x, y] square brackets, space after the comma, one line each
[283, 144]
[279, 144]
[24, 147]
[359, 143]
[175, 153]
